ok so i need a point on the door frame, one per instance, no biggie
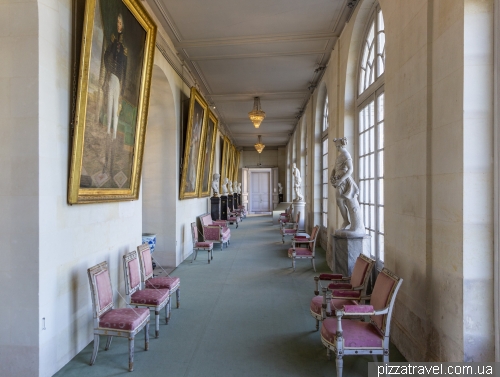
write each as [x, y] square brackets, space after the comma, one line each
[260, 170]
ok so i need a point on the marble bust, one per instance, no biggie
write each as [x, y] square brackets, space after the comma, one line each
[297, 180]
[215, 184]
[346, 192]
[224, 187]
[235, 187]
[280, 188]
[230, 187]
[239, 188]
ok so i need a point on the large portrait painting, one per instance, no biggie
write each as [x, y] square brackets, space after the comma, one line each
[225, 159]
[112, 105]
[208, 154]
[193, 151]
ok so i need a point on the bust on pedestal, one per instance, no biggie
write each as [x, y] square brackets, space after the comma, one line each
[351, 240]
[215, 200]
[223, 201]
[280, 193]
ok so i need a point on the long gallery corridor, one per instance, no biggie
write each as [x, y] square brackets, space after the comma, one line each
[244, 314]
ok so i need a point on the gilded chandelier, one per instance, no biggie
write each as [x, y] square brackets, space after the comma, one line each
[256, 115]
[259, 147]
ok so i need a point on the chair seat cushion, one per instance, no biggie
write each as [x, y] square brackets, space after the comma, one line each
[330, 276]
[300, 251]
[123, 319]
[317, 301]
[204, 245]
[160, 282]
[150, 296]
[356, 334]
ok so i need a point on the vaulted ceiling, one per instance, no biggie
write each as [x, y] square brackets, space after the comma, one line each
[239, 49]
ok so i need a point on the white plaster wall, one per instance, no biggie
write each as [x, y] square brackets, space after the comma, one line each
[19, 203]
[71, 238]
[268, 158]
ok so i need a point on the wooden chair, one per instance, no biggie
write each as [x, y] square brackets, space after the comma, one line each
[215, 231]
[172, 283]
[347, 337]
[200, 246]
[357, 283]
[152, 299]
[109, 321]
[307, 252]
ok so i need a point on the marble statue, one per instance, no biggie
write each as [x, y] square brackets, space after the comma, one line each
[239, 188]
[224, 187]
[235, 187]
[297, 180]
[280, 188]
[347, 192]
[230, 187]
[215, 184]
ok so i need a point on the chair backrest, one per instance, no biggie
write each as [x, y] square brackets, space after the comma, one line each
[100, 289]
[194, 233]
[206, 219]
[314, 235]
[146, 261]
[361, 270]
[132, 272]
[211, 233]
[384, 295]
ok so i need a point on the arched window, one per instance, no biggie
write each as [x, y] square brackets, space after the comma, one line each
[324, 166]
[370, 122]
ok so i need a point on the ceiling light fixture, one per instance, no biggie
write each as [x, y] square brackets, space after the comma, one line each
[259, 147]
[256, 115]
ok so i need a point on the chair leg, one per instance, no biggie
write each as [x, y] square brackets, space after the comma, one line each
[195, 254]
[317, 325]
[221, 245]
[168, 310]
[130, 354]
[386, 356]
[146, 336]
[178, 297]
[157, 323]
[108, 343]
[340, 365]
[96, 348]
[314, 266]
[293, 263]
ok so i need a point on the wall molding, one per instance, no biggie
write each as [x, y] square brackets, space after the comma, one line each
[496, 172]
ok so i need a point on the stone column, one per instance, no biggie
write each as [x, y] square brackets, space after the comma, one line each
[300, 207]
[344, 252]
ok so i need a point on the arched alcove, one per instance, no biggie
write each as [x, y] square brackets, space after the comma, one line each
[159, 173]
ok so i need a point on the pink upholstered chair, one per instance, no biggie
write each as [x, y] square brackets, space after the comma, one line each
[356, 283]
[346, 337]
[152, 299]
[290, 228]
[203, 246]
[286, 216]
[307, 252]
[216, 231]
[109, 321]
[171, 283]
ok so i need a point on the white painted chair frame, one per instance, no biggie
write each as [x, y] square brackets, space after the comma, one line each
[129, 290]
[110, 332]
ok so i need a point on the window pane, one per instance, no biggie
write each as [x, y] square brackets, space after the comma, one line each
[325, 205]
[372, 243]
[325, 219]
[380, 135]
[381, 219]
[325, 160]
[372, 166]
[372, 191]
[381, 163]
[381, 191]
[381, 247]
[380, 21]
[325, 176]
[380, 104]
[325, 190]
[372, 217]
[372, 139]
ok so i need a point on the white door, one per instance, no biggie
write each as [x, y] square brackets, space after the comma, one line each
[259, 192]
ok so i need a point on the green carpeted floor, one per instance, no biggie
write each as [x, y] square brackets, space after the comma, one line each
[245, 314]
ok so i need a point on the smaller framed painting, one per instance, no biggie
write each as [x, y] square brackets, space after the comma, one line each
[208, 154]
[193, 151]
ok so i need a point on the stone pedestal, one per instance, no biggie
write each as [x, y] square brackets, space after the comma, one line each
[239, 199]
[300, 207]
[230, 199]
[235, 201]
[345, 250]
[280, 196]
[223, 207]
[215, 207]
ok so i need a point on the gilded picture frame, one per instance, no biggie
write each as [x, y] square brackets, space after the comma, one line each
[111, 109]
[225, 160]
[193, 150]
[236, 164]
[211, 126]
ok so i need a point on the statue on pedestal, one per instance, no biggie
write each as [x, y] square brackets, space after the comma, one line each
[239, 188]
[297, 180]
[215, 185]
[224, 187]
[230, 187]
[347, 192]
[235, 187]
[280, 188]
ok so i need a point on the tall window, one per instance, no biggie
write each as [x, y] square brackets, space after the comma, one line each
[370, 105]
[324, 153]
